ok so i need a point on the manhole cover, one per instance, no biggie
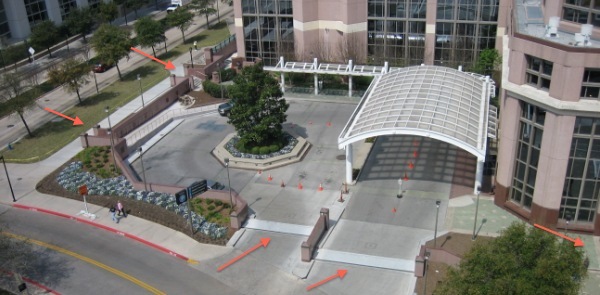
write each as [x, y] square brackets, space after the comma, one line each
[340, 157]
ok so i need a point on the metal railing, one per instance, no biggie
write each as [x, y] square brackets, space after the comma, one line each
[223, 43]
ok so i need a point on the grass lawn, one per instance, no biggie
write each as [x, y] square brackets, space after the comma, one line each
[56, 134]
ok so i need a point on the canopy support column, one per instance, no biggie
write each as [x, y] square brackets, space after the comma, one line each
[478, 176]
[349, 163]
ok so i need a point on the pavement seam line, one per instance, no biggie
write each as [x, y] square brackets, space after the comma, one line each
[112, 270]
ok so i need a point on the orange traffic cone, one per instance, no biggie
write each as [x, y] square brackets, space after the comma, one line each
[405, 177]
[269, 178]
[300, 185]
[394, 210]
[411, 165]
[320, 187]
[282, 184]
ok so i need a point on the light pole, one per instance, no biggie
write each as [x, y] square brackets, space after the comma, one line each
[141, 91]
[8, 178]
[112, 141]
[437, 213]
[220, 78]
[426, 267]
[229, 182]
[143, 170]
[476, 211]
[191, 58]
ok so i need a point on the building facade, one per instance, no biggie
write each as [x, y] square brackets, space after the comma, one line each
[401, 32]
[17, 17]
[548, 169]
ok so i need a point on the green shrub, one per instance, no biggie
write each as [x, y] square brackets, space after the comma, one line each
[103, 173]
[256, 150]
[264, 150]
[209, 201]
[99, 165]
[214, 89]
[274, 148]
[218, 202]
[210, 207]
[105, 160]
[226, 206]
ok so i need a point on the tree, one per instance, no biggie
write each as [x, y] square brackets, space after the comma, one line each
[44, 35]
[149, 32]
[135, 5]
[72, 74]
[111, 43]
[489, 60]
[204, 7]
[180, 18]
[259, 109]
[523, 260]
[80, 21]
[107, 11]
[18, 99]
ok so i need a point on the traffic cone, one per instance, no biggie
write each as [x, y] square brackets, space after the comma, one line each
[341, 199]
[320, 187]
[393, 210]
[405, 177]
[415, 154]
[300, 185]
[259, 172]
[282, 184]
[411, 165]
[269, 178]
[328, 124]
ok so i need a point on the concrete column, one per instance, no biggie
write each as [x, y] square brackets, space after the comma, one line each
[282, 74]
[478, 175]
[349, 86]
[349, 163]
[386, 67]
[316, 84]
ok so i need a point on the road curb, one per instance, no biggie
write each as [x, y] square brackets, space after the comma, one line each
[108, 228]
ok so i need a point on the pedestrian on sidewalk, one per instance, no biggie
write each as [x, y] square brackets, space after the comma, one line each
[121, 209]
[196, 45]
[113, 214]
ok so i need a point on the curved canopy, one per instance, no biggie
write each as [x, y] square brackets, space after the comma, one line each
[432, 101]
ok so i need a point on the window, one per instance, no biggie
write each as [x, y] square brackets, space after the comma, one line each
[582, 11]
[66, 6]
[581, 187]
[590, 88]
[538, 72]
[463, 29]
[36, 11]
[93, 3]
[4, 28]
[531, 130]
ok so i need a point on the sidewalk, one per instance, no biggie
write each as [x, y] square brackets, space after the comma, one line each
[12, 128]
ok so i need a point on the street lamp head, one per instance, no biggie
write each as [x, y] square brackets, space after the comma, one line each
[140, 150]
[190, 50]
[138, 76]
[568, 217]
[226, 161]
[437, 203]
[106, 109]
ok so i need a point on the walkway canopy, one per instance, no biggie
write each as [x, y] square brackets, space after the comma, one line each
[438, 102]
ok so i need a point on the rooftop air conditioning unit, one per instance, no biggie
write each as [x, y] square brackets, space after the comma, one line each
[552, 27]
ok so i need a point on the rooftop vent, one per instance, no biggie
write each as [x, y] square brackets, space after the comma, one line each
[552, 27]
[583, 38]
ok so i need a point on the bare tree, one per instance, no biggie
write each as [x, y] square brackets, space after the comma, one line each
[352, 47]
[18, 99]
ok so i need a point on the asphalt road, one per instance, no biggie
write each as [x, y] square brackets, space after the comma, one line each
[69, 275]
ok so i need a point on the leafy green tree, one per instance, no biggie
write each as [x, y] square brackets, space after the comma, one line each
[111, 43]
[180, 18]
[204, 7]
[72, 74]
[107, 12]
[135, 5]
[259, 109]
[489, 60]
[17, 99]
[149, 32]
[80, 21]
[523, 260]
[44, 35]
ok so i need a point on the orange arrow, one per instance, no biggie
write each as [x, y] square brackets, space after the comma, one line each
[168, 65]
[577, 242]
[76, 121]
[263, 242]
[340, 274]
